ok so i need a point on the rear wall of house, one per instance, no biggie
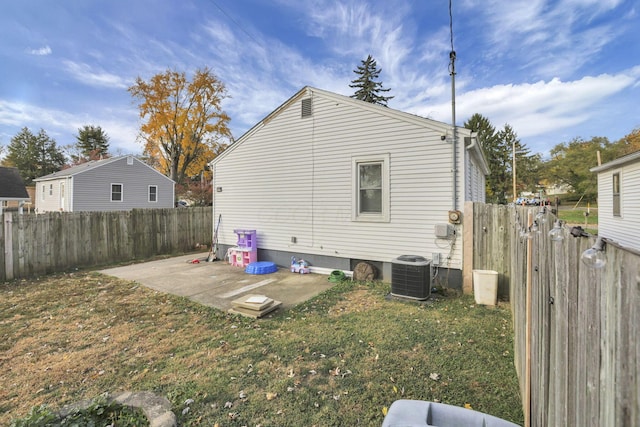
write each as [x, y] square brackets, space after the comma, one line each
[291, 180]
[92, 189]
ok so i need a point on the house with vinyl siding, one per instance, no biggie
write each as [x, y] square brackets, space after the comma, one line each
[113, 184]
[619, 200]
[337, 181]
[13, 192]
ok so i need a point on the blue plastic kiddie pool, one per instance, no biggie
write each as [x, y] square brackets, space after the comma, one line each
[261, 267]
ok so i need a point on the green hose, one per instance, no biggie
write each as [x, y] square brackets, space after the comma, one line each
[336, 276]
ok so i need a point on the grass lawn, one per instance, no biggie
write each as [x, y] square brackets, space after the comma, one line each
[576, 216]
[337, 360]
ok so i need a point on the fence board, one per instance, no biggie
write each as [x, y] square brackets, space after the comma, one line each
[585, 348]
[628, 355]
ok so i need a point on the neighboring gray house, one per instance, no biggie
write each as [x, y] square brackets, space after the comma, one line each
[12, 189]
[619, 200]
[114, 184]
[335, 181]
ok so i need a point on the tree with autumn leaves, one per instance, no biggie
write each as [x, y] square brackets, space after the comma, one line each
[184, 126]
[571, 162]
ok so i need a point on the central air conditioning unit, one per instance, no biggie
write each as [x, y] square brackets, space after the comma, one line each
[411, 277]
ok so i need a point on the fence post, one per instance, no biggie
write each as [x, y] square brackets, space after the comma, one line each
[527, 370]
[8, 245]
[467, 249]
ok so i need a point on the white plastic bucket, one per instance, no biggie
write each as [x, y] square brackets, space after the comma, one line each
[485, 287]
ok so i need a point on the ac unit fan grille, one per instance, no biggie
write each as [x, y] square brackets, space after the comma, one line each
[411, 281]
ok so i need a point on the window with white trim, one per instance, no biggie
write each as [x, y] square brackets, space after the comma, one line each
[43, 192]
[116, 192]
[51, 189]
[370, 175]
[153, 193]
[616, 194]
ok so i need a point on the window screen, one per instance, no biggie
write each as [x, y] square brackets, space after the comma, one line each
[153, 193]
[370, 197]
[616, 194]
[370, 188]
[116, 192]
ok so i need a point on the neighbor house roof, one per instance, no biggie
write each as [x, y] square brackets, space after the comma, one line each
[11, 185]
[90, 165]
[399, 115]
[621, 161]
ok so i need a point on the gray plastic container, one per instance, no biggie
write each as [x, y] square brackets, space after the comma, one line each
[418, 413]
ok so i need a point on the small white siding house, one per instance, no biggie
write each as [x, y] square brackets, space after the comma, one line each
[335, 180]
[619, 200]
[114, 184]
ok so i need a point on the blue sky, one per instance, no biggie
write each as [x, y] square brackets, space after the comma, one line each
[553, 70]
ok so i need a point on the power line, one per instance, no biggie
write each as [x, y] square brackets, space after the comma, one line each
[235, 23]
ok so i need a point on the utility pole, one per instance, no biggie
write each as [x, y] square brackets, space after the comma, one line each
[515, 196]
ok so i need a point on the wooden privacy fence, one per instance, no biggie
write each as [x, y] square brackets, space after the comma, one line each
[577, 329]
[33, 244]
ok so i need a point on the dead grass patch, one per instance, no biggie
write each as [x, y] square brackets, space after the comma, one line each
[356, 301]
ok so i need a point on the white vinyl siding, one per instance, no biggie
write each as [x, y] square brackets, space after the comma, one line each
[619, 226]
[475, 183]
[117, 192]
[50, 197]
[293, 177]
[153, 193]
[90, 194]
[89, 189]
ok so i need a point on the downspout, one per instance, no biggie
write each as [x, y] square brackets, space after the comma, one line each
[474, 139]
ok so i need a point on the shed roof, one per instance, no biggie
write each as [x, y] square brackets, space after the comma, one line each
[11, 185]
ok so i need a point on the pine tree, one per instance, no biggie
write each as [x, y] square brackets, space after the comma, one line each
[34, 155]
[92, 143]
[368, 88]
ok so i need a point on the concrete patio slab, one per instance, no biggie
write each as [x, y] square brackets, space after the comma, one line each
[217, 283]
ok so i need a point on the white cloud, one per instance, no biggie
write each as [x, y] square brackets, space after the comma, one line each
[535, 109]
[121, 125]
[261, 75]
[85, 74]
[43, 51]
[553, 39]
